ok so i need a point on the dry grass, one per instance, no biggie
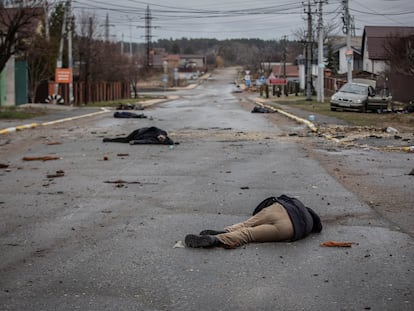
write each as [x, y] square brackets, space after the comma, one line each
[402, 121]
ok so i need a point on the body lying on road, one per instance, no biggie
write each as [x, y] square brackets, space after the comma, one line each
[145, 135]
[274, 220]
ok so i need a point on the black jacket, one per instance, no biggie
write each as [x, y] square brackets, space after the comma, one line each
[145, 135]
[304, 219]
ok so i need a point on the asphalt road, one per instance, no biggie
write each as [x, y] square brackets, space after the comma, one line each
[103, 236]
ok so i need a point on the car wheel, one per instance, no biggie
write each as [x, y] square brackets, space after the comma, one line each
[333, 109]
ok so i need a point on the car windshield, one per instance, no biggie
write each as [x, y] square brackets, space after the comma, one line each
[354, 88]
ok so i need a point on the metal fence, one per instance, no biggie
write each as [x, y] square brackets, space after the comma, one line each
[85, 93]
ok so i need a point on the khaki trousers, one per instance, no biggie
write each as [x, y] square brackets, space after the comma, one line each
[271, 224]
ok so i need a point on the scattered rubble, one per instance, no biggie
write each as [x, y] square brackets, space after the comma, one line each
[59, 173]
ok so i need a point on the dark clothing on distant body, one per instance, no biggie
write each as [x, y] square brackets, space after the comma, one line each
[126, 114]
[145, 135]
[257, 109]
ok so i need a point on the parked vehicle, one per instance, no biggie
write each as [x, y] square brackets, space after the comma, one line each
[360, 96]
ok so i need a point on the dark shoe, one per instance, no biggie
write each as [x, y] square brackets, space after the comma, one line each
[192, 240]
[212, 232]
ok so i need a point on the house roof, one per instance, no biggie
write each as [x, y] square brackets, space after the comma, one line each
[291, 70]
[376, 38]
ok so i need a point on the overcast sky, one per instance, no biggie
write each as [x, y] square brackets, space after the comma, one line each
[226, 19]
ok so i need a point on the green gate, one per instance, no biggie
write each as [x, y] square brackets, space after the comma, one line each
[20, 80]
[2, 87]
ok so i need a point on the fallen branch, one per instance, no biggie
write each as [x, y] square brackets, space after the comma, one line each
[337, 244]
[43, 158]
[120, 181]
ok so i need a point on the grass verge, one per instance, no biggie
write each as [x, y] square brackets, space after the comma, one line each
[401, 121]
[19, 113]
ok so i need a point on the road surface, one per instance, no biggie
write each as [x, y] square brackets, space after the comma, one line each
[103, 236]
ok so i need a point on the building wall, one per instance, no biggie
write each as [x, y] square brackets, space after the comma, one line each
[343, 62]
[372, 66]
[9, 83]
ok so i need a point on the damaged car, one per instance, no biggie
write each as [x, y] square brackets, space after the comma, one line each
[361, 96]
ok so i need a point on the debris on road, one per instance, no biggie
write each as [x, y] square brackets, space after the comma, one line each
[42, 158]
[54, 143]
[337, 244]
[257, 109]
[4, 142]
[179, 244]
[4, 165]
[59, 173]
[391, 130]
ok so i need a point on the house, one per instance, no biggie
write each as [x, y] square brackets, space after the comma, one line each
[376, 41]
[288, 71]
[374, 46]
[339, 50]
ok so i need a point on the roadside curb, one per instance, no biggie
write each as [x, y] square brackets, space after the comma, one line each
[309, 124]
[34, 125]
[103, 110]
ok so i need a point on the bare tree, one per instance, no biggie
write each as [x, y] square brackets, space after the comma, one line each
[400, 54]
[40, 63]
[17, 27]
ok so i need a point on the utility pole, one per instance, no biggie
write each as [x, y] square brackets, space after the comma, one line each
[130, 40]
[284, 65]
[347, 30]
[107, 28]
[321, 65]
[148, 36]
[46, 8]
[60, 54]
[70, 58]
[309, 55]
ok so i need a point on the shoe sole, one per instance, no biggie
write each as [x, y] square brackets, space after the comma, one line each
[197, 241]
[211, 232]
